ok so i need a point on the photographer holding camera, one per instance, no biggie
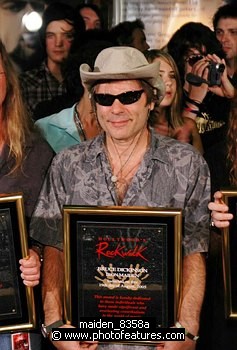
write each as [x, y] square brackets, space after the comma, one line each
[207, 89]
[209, 73]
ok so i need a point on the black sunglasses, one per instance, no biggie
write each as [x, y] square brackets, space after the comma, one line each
[126, 98]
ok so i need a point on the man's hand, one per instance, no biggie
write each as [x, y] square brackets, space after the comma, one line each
[199, 69]
[30, 269]
[219, 215]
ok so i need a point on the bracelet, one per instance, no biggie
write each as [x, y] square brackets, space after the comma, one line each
[40, 251]
[194, 102]
[46, 330]
[187, 333]
[188, 109]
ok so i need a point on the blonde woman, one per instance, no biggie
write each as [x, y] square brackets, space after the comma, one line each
[24, 160]
[167, 118]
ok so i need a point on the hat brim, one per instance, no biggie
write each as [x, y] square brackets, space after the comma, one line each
[149, 73]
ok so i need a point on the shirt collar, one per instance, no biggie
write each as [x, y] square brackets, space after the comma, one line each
[158, 148]
[63, 119]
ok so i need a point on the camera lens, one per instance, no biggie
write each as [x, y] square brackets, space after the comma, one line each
[220, 67]
[215, 72]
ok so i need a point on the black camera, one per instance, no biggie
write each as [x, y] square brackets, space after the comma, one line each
[215, 72]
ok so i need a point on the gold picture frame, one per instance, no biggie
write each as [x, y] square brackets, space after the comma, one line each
[17, 307]
[229, 245]
[100, 242]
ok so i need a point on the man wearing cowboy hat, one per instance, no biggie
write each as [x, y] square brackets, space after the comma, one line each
[128, 165]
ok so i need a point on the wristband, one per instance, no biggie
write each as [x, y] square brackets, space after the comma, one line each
[194, 102]
[39, 250]
[187, 333]
[190, 110]
[46, 330]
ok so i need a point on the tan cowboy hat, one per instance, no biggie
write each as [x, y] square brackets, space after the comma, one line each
[122, 63]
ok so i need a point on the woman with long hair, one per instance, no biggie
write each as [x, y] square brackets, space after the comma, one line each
[167, 117]
[25, 158]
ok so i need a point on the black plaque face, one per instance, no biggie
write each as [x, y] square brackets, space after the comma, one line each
[17, 310]
[122, 263]
[230, 256]
[10, 306]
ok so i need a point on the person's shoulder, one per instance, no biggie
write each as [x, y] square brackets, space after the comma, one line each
[35, 73]
[86, 150]
[59, 129]
[190, 122]
[62, 118]
[190, 126]
[172, 148]
[170, 142]
[182, 157]
[38, 143]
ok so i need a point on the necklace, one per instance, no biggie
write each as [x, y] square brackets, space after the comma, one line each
[119, 176]
[78, 123]
[122, 184]
[122, 179]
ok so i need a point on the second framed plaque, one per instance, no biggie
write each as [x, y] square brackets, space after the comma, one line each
[230, 256]
[122, 262]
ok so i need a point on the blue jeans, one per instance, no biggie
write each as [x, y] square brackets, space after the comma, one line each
[5, 342]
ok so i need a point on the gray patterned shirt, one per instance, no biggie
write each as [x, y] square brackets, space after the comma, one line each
[172, 174]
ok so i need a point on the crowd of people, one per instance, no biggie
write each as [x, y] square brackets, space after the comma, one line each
[105, 120]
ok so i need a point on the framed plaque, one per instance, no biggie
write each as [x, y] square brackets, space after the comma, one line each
[230, 256]
[17, 309]
[122, 262]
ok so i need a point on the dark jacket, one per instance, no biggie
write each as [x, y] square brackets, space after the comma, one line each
[29, 179]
